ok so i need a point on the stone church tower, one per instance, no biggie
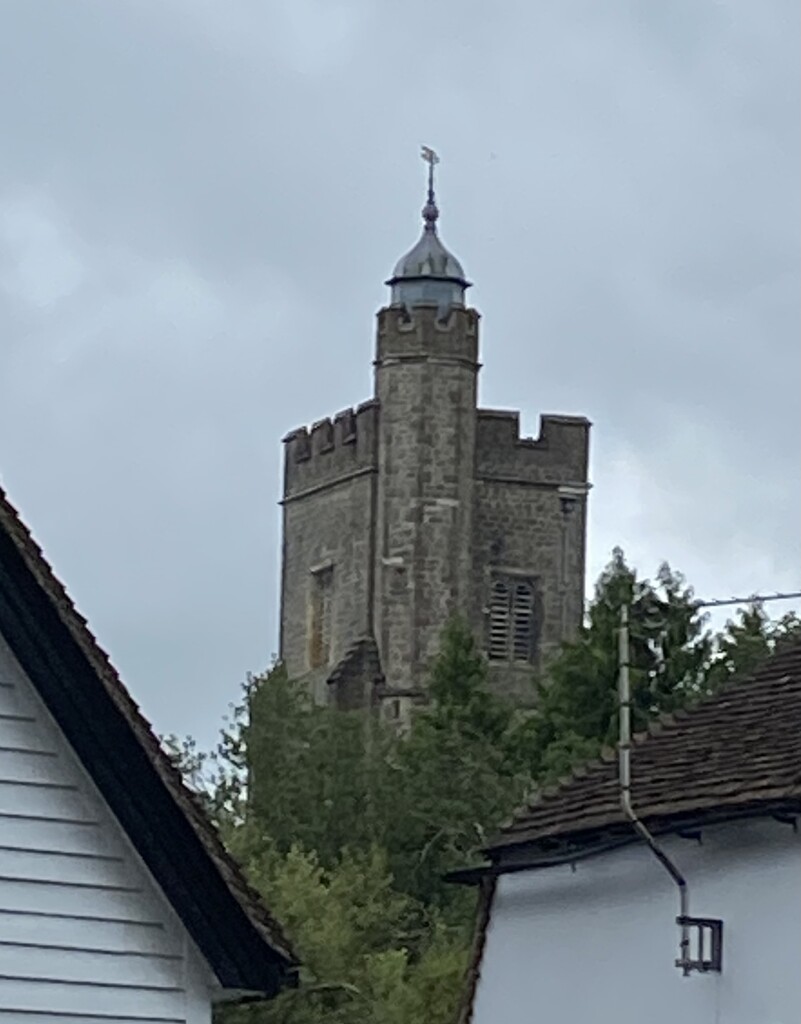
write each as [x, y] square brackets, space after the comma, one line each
[418, 505]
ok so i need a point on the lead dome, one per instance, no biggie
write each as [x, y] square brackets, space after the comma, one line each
[429, 275]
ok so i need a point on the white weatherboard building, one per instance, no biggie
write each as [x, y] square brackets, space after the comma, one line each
[118, 903]
[578, 916]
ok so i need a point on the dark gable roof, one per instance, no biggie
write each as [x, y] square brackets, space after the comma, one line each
[240, 940]
[736, 752]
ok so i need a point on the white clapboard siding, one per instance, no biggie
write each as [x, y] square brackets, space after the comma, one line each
[47, 1018]
[49, 800]
[68, 869]
[85, 933]
[67, 836]
[52, 994]
[72, 1018]
[87, 966]
[18, 764]
[19, 732]
[10, 699]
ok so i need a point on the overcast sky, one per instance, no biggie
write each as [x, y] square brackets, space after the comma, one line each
[200, 201]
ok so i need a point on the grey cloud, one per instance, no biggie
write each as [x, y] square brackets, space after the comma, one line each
[199, 204]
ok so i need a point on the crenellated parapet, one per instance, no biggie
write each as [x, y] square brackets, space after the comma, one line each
[332, 449]
[424, 335]
[559, 455]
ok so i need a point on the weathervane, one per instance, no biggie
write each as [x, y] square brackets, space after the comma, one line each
[431, 159]
[430, 212]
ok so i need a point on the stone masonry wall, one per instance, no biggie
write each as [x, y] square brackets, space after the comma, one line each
[520, 526]
[328, 517]
[426, 385]
[558, 456]
[332, 450]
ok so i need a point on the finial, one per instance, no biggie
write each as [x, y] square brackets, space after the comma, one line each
[430, 211]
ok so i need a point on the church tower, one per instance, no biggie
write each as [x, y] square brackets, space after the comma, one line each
[417, 506]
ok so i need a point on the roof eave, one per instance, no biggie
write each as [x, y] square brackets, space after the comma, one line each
[404, 278]
[553, 850]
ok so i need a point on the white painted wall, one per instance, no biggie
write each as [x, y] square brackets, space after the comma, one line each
[598, 944]
[85, 932]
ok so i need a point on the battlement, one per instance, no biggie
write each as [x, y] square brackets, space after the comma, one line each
[331, 449]
[423, 334]
[559, 455]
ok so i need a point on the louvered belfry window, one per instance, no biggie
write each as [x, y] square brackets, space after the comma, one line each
[512, 633]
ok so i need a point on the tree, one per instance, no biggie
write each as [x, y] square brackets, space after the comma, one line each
[460, 772]
[317, 778]
[669, 648]
[749, 640]
[327, 780]
[371, 955]
[674, 660]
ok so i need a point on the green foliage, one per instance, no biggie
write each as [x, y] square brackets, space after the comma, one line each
[318, 779]
[749, 640]
[371, 955]
[347, 780]
[669, 649]
[190, 761]
[347, 827]
[459, 773]
[674, 660]
[458, 691]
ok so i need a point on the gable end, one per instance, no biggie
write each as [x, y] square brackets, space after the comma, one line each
[197, 880]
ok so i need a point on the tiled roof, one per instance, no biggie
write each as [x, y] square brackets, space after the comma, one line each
[37, 579]
[738, 749]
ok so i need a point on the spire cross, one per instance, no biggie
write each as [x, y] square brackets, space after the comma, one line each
[431, 159]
